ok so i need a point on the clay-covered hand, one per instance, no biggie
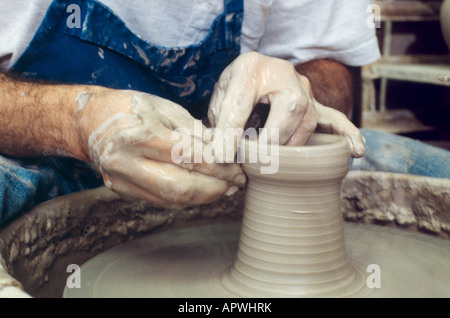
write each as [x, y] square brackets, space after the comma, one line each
[254, 78]
[129, 136]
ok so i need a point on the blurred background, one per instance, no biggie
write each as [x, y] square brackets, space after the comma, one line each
[407, 91]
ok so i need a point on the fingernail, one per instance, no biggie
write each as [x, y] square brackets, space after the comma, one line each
[231, 191]
[240, 179]
[360, 150]
[350, 143]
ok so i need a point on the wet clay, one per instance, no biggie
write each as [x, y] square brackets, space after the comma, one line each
[290, 243]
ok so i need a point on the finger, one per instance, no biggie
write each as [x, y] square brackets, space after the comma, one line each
[122, 184]
[332, 121]
[129, 191]
[162, 144]
[167, 184]
[217, 98]
[197, 150]
[190, 153]
[305, 129]
[287, 111]
[170, 115]
[235, 109]
[308, 123]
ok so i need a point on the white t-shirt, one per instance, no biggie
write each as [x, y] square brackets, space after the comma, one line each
[296, 30]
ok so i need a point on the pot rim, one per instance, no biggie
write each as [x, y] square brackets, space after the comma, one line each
[319, 143]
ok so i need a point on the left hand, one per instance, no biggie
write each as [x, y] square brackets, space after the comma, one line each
[128, 135]
[254, 78]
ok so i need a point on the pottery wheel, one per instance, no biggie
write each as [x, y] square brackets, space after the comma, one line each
[195, 262]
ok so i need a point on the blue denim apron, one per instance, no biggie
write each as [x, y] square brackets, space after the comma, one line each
[104, 51]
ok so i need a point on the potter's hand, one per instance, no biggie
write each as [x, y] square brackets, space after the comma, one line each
[128, 135]
[254, 78]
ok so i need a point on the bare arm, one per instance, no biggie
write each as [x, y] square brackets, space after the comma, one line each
[126, 134]
[39, 119]
[333, 84]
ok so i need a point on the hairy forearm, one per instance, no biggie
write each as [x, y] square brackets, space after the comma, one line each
[39, 119]
[332, 83]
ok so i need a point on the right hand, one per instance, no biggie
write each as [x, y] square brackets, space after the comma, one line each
[128, 135]
[253, 78]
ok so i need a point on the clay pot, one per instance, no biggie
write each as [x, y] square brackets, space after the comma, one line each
[292, 238]
[445, 21]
